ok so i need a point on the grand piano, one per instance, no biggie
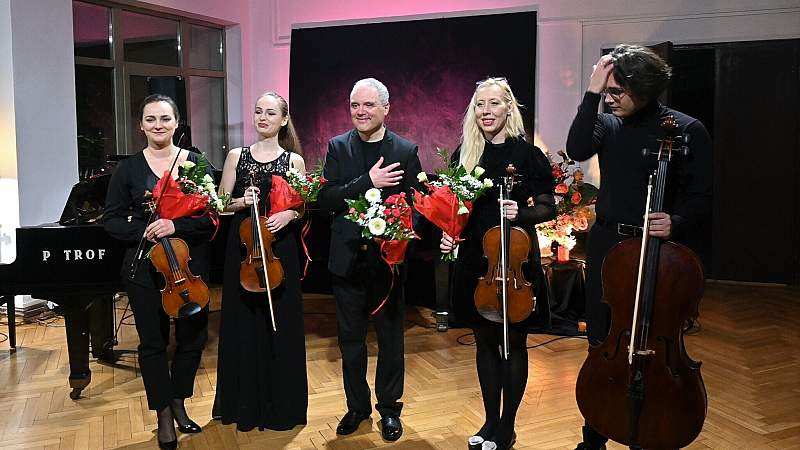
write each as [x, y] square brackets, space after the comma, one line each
[74, 264]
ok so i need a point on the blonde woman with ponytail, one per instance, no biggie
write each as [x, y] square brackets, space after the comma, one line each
[493, 136]
[261, 375]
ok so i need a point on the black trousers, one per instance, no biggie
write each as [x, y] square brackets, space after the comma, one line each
[163, 383]
[353, 295]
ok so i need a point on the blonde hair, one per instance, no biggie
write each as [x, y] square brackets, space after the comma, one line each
[472, 138]
[287, 136]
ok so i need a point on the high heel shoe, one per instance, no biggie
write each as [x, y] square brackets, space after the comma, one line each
[511, 442]
[165, 419]
[185, 424]
[171, 445]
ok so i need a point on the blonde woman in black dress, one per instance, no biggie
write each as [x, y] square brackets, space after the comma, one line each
[261, 375]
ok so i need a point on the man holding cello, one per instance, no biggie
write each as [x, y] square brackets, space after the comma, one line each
[629, 80]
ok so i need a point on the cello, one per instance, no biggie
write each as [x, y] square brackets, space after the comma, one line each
[261, 270]
[639, 387]
[502, 294]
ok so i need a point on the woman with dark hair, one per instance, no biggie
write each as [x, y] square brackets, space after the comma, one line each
[261, 375]
[125, 219]
[493, 137]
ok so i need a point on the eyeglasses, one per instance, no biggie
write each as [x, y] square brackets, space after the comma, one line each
[615, 93]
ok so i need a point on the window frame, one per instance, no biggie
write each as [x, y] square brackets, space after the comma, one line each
[122, 69]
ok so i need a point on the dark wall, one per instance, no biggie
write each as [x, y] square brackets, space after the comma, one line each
[430, 67]
[746, 93]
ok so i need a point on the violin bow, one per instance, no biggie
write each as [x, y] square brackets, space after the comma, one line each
[261, 249]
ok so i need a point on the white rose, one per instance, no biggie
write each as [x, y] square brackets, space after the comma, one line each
[373, 195]
[462, 209]
[478, 171]
[293, 171]
[422, 177]
[219, 205]
[208, 179]
[187, 165]
[488, 183]
[377, 226]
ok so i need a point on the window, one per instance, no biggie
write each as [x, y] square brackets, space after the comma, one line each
[125, 53]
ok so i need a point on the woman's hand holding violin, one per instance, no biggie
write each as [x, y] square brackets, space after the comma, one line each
[159, 229]
[279, 220]
[249, 196]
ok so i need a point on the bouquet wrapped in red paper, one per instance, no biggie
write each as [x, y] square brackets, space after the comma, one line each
[308, 185]
[282, 197]
[293, 192]
[389, 223]
[448, 204]
[192, 194]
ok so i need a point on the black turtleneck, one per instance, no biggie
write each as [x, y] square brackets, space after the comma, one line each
[624, 171]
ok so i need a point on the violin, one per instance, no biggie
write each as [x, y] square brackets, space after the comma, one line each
[261, 270]
[639, 386]
[503, 295]
[184, 293]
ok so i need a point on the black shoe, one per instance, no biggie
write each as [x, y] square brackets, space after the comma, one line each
[350, 422]
[189, 427]
[502, 446]
[185, 424]
[171, 445]
[391, 428]
[585, 446]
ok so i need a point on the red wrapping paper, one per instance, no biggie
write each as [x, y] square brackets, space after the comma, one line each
[393, 251]
[282, 197]
[441, 208]
[173, 203]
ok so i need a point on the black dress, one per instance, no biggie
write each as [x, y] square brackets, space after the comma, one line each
[536, 179]
[261, 376]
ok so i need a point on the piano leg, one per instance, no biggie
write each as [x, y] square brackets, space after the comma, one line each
[77, 328]
[12, 325]
[86, 320]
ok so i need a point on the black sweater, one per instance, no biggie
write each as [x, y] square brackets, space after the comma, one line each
[535, 181]
[624, 171]
[125, 219]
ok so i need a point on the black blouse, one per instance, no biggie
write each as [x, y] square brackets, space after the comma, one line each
[125, 218]
[535, 180]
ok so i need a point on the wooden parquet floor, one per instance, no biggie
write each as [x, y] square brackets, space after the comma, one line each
[749, 344]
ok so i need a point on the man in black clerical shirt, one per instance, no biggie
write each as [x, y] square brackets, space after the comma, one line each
[365, 157]
[630, 79]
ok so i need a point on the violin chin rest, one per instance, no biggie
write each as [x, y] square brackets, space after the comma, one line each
[188, 309]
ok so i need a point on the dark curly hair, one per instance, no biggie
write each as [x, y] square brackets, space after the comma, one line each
[638, 70]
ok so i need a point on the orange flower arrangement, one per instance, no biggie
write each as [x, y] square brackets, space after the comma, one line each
[573, 198]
